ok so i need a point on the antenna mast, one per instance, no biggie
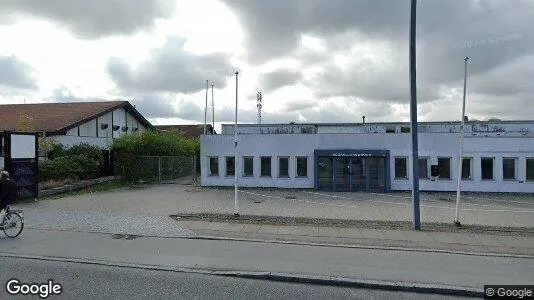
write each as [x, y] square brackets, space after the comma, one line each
[259, 105]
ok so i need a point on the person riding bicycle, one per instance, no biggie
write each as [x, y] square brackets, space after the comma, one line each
[8, 193]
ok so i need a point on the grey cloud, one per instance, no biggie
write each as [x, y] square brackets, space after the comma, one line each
[92, 19]
[297, 105]
[154, 106]
[338, 110]
[16, 74]
[171, 69]
[272, 81]
[493, 34]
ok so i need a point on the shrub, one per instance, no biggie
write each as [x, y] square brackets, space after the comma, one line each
[69, 167]
[129, 148]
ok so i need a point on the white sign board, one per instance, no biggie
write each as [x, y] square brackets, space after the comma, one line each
[22, 146]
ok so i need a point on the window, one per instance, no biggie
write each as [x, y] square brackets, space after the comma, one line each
[508, 168]
[400, 168]
[283, 167]
[466, 168]
[248, 166]
[530, 169]
[423, 168]
[405, 129]
[444, 166]
[230, 166]
[302, 167]
[486, 166]
[265, 164]
[214, 166]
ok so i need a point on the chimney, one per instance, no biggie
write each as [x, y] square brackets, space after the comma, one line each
[363, 118]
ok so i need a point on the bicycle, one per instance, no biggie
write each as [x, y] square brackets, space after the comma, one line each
[13, 223]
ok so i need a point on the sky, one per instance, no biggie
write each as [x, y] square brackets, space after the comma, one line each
[312, 60]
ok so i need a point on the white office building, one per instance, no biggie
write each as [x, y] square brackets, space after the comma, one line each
[498, 156]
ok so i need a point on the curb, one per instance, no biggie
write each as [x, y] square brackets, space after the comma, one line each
[236, 239]
[393, 248]
[282, 277]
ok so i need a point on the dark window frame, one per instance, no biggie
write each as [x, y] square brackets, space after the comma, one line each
[470, 177]
[269, 173]
[287, 167]
[405, 167]
[531, 173]
[227, 158]
[492, 159]
[210, 158]
[427, 159]
[514, 160]
[449, 159]
[245, 158]
[305, 166]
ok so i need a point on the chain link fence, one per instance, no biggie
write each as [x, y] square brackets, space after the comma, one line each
[167, 169]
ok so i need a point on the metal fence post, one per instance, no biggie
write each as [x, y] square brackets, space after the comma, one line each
[159, 169]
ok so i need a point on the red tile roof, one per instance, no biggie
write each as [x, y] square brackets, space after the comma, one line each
[188, 131]
[59, 117]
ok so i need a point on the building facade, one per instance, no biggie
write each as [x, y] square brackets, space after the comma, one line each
[69, 124]
[498, 156]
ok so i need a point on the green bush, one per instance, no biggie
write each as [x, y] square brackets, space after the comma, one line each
[92, 152]
[73, 167]
[129, 148]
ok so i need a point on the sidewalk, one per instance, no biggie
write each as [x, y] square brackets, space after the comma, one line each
[371, 268]
[513, 244]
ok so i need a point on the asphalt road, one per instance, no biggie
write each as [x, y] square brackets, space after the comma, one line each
[83, 281]
[362, 264]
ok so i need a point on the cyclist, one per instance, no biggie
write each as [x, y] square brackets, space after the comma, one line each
[8, 193]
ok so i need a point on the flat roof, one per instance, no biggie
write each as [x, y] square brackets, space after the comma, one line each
[391, 123]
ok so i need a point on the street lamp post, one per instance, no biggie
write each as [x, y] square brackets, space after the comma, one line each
[236, 200]
[413, 120]
[460, 160]
[206, 107]
[212, 109]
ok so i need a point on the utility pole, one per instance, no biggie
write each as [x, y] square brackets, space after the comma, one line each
[212, 109]
[206, 107]
[236, 201]
[460, 161]
[413, 119]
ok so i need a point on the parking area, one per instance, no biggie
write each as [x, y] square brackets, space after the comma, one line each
[510, 210]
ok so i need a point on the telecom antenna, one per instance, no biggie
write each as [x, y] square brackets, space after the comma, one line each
[258, 105]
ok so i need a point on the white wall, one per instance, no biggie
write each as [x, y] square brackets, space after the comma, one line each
[430, 145]
[88, 129]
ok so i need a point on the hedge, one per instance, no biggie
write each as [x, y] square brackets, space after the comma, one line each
[81, 161]
[129, 148]
[73, 167]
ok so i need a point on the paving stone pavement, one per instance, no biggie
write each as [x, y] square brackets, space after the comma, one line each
[105, 222]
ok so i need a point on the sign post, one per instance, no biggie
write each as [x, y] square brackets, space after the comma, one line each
[22, 160]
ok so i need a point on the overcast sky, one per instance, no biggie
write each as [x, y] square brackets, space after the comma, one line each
[313, 60]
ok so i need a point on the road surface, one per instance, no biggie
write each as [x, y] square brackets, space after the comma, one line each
[82, 281]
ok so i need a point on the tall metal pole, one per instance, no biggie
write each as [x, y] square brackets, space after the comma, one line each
[212, 109]
[460, 160]
[236, 201]
[413, 119]
[206, 107]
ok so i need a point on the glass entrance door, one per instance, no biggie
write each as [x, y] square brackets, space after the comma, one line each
[377, 178]
[341, 174]
[357, 174]
[325, 173]
[351, 173]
